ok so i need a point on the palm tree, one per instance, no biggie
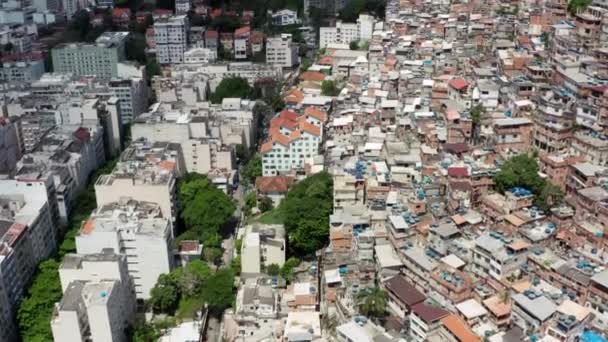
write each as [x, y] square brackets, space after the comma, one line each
[330, 323]
[372, 302]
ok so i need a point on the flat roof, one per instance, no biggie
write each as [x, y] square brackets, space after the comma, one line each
[471, 309]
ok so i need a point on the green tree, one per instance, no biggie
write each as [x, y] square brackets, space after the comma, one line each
[152, 69]
[287, 271]
[219, 290]
[135, 48]
[235, 264]
[241, 153]
[164, 296]
[252, 170]
[231, 87]
[351, 11]
[575, 5]
[364, 46]
[306, 63]
[476, 113]
[251, 200]
[306, 209]
[273, 269]
[225, 23]
[522, 171]
[191, 278]
[213, 254]
[36, 309]
[206, 208]
[354, 45]
[329, 88]
[80, 24]
[372, 302]
[144, 332]
[265, 204]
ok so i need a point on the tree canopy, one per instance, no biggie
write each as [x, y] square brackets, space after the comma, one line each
[205, 211]
[306, 209]
[372, 302]
[576, 5]
[195, 281]
[329, 88]
[353, 8]
[205, 207]
[36, 308]
[252, 170]
[522, 171]
[231, 87]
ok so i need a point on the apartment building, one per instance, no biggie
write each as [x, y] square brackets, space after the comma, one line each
[285, 17]
[136, 229]
[202, 149]
[281, 51]
[27, 204]
[242, 43]
[262, 246]
[11, 144]
[293, 140]
[93, 311]
[597, 299]
[513, 134]
[27, 236]
[200, 55]
[402, 296]
[146, 172]
[100, 59]
[344, 33]
[497, 257]
[22, 71]
[17, 267]
[532, 311]
[183, 6]
[424, 320]
[171, 38]
[77, 270]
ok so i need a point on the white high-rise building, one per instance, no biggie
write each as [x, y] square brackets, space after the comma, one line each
[250, 255]
[344, 33]
[78, 317]
[93, 311]
[183, 6]
[281, 51]
[137, 230]
[171, 38]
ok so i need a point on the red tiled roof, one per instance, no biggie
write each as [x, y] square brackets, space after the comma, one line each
[312, 76]
[404, 291]
[216, 12]
[326, 60]
[459, 329]
[315, 113]
[429, 313]
[294, 95]
[458, 83]
[82, 134]
[31, 56]
[458, 171]
[288, 115]
[211, 34]
[188, 246]
[309, 128]
[278, 184]
[162, 11]
[257, 37]
[242, 31]
[119, 12]
[283, 122]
